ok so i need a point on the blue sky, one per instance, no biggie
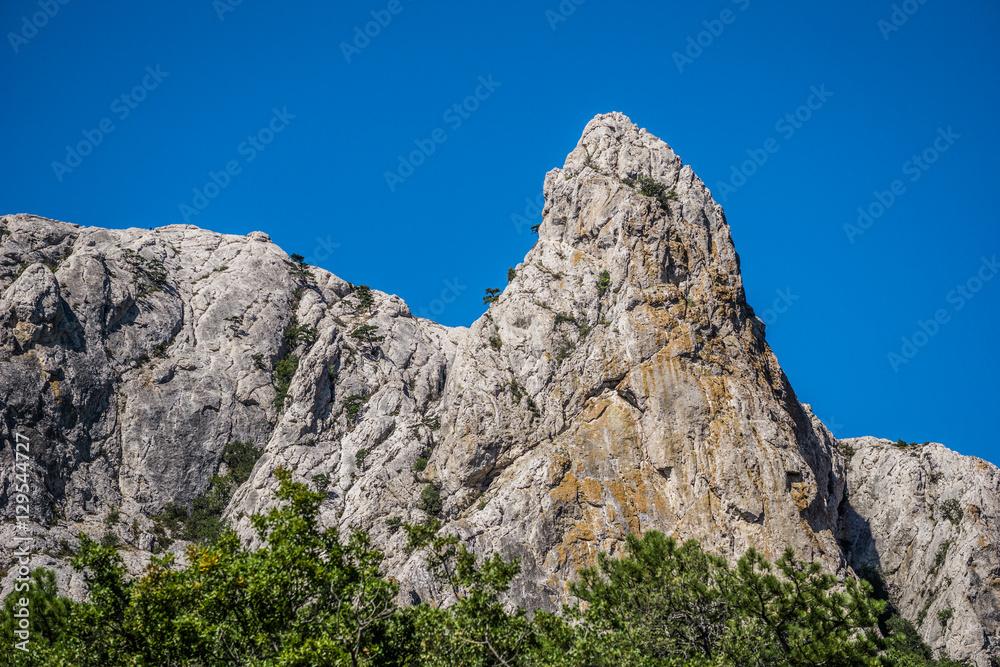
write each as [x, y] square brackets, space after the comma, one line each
[261, 109]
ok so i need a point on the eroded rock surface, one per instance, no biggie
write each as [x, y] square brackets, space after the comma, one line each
[925, 520]
[619, 383]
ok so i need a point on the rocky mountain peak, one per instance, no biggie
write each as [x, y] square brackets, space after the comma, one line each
[619, 383]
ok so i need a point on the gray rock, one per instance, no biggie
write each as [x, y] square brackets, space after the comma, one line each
[620, 383]
[926, 521]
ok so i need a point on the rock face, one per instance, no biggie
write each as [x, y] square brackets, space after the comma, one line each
[925, 520]
[620, 383]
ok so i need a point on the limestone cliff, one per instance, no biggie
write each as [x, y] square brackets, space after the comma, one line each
[619, 383]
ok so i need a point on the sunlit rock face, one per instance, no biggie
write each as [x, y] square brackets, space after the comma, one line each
[619, 383]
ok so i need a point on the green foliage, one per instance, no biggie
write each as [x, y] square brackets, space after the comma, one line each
[300, 268]
[939, 557]
[160, 351]
[492, 294]
[495, 341]
[258, 361]
[284, 371]
[533, 408]
[566, 348]
[419, 464]
[945, 615]
[430, 500]
[650, 187]
[172, 516]
[359, 457]
[353, 405]
[306, 597]
[296, 333]
[534, 228]
[203, 524]
[952, 511]
[477, 629]
[310, 596]
[148, 275]
[363, 293]
[240, 457]
[603, 282]
[511, 274]
[368, 333]
[49, 614]
[905, 647]
[564, 317]
[321, 482]
[666, 601]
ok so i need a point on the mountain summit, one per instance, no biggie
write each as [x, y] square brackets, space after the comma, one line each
[619, 383]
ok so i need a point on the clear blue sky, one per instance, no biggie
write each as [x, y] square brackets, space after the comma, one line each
[313, 176]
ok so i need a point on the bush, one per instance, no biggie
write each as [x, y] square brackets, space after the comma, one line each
[284, 371]
[419, 464]
[366, 299]
[952, 510]
[321, 482]
[353, 405]
[310, 596]
[603, 282]
[430, 500]
[296, 333]
[511, 274]
[240, 457]
[204, 524]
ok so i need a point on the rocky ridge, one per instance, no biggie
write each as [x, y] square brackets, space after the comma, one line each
[619, 383]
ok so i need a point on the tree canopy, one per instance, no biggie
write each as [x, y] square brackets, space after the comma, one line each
[310, 596]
